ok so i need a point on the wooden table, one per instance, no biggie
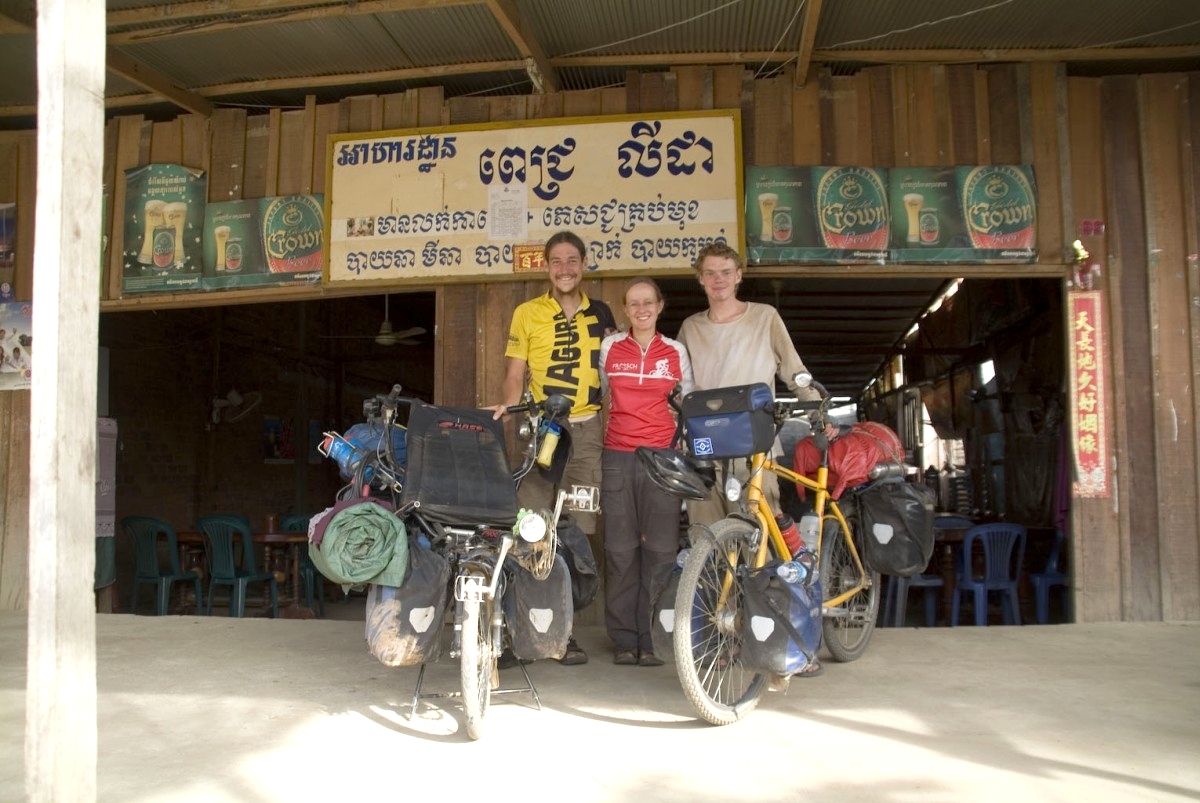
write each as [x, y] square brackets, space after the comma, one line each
[191, 548]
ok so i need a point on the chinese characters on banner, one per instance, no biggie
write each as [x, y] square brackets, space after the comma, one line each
[1088, 393]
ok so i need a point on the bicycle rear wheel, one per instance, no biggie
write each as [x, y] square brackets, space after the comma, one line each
[708, 641]
[846, 628]
[476, 663]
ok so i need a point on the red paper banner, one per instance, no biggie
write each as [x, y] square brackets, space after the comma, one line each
[1088, 379]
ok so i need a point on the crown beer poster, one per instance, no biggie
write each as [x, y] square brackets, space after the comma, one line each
[964, 214]
[265, 241]
[816, 214]
[164, 220]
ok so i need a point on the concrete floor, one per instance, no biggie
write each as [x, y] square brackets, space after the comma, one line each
[214, 709]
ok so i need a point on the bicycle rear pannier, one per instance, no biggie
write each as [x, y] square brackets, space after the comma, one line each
[404, 625]
[539, 613]
[663, 586]
[576, 550]
[730, 422]
[897, 527]
[781, 626]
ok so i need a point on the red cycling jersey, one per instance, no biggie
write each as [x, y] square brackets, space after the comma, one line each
[638, 383]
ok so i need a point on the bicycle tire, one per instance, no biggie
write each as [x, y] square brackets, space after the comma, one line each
[707, 641]
[847, 629]
[477, 661]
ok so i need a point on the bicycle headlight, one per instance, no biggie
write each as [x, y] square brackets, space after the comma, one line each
[531, 526]
[733, 489]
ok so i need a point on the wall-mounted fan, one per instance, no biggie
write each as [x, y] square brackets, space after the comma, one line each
[386, 336]
[234, 406]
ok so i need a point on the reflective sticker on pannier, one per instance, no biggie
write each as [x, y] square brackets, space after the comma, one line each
[883, 532]
[762, 627]
[666, 618]
[421, 618]
[541, 619]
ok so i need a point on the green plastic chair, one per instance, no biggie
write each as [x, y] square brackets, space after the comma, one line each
[224, 569]
[314, 581]
[144, 533]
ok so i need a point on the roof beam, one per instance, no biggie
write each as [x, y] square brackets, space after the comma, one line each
[537, 65]
[808, 36]
[158, 83]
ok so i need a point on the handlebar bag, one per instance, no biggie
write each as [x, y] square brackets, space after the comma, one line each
[539, 613]
[404, 625]
[781, 625]
[897, 527]
[729, 422]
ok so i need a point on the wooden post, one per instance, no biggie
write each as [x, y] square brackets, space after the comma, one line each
[60, 702]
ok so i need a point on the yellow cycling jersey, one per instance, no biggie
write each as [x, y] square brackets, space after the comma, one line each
[563, 356]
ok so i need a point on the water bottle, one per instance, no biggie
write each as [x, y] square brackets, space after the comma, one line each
[809, 530]
[791, 536]
[549, 443]
[792, 572]
[682, 557]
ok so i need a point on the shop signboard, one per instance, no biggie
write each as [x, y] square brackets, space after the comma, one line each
[964, 214]
[164, 222]
[265, 241]
[816, 214]
[645, 192]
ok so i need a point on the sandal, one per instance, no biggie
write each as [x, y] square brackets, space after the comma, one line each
[811, 670]
[625, 658]
[574, 654]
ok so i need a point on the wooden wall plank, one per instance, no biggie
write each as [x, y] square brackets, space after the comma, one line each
[727, 86]
[901, 113]
[258, 136]
[1141, 593]
[467, 110]
[545, 106]
[942, 114]
[656, 93]
[883, 137]
[507, 108]
[1190, 167]
[166, 143]
[983, 119]
[1163, 101]
[431, 106]
[395, 111]
[295, 154]
[227, 167]
[959, 105]
[612, 101]
[1045, 113]
[850, 135]
[15, 416]
[693, 87]
[924, 141]
[308, 145]
[772, 121]
[457, 308]
[1095, 546]
[581, 103]
[806, 124]
[271, 167]
[195, 141]
[1004, 114]
[363, 113]
[327, 118]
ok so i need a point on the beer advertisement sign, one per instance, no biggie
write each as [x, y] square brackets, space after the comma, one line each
[16, 345]
[644, 192]
[816, 214]
[164, 224]
[965, 214]
[265, 241]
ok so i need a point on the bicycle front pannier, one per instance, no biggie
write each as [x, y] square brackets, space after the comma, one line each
[781, 625]
[730, 422]
[576, 550]
[404, 624]
[663, 585]
[539, 613]
[897, 527]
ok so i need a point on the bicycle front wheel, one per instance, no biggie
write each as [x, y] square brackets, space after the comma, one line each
[708, 640]
[476, 663]
[846, 627]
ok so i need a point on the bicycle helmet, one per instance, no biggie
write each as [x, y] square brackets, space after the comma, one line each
[675, 472]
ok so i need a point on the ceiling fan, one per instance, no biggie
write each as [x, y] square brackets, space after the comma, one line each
[386, 336]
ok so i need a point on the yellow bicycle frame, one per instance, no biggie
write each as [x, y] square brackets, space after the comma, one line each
[756, 503]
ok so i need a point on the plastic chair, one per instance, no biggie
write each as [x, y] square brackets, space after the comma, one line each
[1048, 578]
[1003, 555]
[314, 581]
[144, 531]
[895, 604]
[224, 570]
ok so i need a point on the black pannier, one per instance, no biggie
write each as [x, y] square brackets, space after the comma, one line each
[897, 527]
[404, 624]
[730, 422]
[539, 613]
[781, 625]
[576, 550]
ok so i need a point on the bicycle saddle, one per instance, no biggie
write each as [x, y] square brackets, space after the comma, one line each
[675, 472]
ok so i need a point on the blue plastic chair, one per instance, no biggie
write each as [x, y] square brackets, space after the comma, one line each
[144, 532]
[223, 567]
[314, 581]
[895, 604]
[1003, 555]
[1048, 578]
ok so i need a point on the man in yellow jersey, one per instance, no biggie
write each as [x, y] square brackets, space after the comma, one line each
[555, 339]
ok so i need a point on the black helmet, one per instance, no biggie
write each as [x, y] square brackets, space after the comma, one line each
[675, 472]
